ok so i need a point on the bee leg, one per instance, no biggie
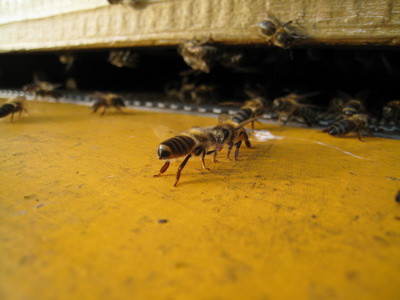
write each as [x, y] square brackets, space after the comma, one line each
[359, 135]
[215, 155]
[178, 174]
[238, 144]
[287, 120]
[252, 126]
[95, 108]
[118, 107]
[163, 169]
[202, 160]
[246, 140]
[12, 116]
[104, 110]
[229, 150]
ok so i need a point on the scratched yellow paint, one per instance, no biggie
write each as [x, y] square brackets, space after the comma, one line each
[306, 216]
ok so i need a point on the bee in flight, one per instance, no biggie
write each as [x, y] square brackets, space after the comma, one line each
[355, 123]
[107, 100]
[195, 141]
[280, 35]
[13, 106]
[252, 109]
[231, 133]
[289, 106]
[199, 55]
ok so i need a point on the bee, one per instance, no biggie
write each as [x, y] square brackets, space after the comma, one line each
[42, 89]
[355, 123]
[191, 92]
[13, 106]
[391, 112]
[195, 141]
[289, 106]
[107, 100]
[123, 58]
[353, 105]
[252, 109]
[203, 93]
[280, 35]
[231, 133]
[200, 56]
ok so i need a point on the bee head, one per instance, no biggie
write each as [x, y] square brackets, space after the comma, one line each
[164, 152]
[267, 28]
[221, 135]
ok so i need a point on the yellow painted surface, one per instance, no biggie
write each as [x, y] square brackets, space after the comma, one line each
[308, 216]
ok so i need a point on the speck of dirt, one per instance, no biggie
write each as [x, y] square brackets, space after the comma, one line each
[163, 221]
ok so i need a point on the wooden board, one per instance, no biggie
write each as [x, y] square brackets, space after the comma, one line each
[73, 24]
[302, 216]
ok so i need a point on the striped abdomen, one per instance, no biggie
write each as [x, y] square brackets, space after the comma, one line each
[342, 128]
[7, 109]
[177, 146]
[353, 107]
[243, 114]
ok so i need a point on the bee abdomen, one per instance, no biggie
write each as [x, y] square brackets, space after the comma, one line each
[353, 107]
[6, 109]
[176, 147]
[242, 115]
[341, 128]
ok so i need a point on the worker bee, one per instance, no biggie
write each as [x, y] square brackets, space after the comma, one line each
[353, 105]
[107, 100]
[191, 92]
[289, 106]
[252, 109]
[195, 141]
[280, 35]
[42, 89]
[123, 58]
[200, 56]
[355, 123]
[13, 106]
[231, 133]
[391, 112]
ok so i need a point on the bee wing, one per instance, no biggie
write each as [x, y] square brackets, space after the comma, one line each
[223, 117]
[164, 132]
[346, 97]
[272, 17]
